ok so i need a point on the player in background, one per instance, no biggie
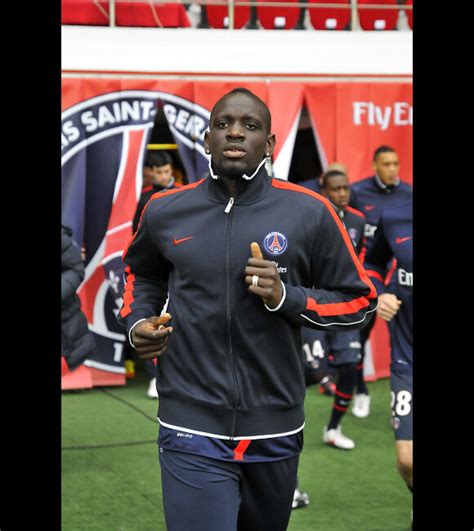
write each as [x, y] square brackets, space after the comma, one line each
[327, 384]
[342, 349]
[338, 350]
[372, 196]
[394, 238]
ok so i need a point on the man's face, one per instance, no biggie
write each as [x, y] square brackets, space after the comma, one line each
[162, 174]
[338, 191]
[387, 165]
[238, 139]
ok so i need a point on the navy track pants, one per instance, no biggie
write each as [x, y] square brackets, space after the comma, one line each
[204, 494]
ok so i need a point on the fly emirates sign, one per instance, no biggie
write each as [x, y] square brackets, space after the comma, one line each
[400, 113]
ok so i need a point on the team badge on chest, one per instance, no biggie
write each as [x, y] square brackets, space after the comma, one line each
[275, 243]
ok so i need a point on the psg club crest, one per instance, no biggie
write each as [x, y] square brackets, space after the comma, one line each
[352, 233]
[103, 142]
[275, 243]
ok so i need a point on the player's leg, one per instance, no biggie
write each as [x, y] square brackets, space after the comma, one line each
[364, 337]
[361, 406]
[267, 494]
[315, 360]
[405, 461]
[402, 421]
[332, 433]
[329, 382]
[345, 354]
[199, 493]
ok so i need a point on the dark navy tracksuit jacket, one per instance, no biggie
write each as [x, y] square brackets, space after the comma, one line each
[371, 196]
[339, 344]
[233, 368]
[394, 238]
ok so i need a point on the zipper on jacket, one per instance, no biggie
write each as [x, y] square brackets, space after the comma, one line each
[228, 314]
[229, 206]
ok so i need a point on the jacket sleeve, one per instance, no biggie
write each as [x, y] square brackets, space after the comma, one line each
[342, 296]
[378, 258]
[146, 278]
[72, 268]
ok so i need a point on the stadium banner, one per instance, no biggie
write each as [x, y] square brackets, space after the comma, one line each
[350, 120]
[284, 124]
[107, 123]
[320, 100]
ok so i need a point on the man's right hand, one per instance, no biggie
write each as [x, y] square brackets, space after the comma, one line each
[150, 337]
[388, 306]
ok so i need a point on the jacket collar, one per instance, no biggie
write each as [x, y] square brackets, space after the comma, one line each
[339, 211]
[249, 189]
[244, 176]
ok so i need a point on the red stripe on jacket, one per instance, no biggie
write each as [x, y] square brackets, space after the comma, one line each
[391, 271]
[335, 308]
[128, 293]
[354, 211]
[374, 274]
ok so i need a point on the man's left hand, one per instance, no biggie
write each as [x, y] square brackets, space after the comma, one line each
[269, 284]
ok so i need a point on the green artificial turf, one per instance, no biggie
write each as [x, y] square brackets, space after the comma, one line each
[111, 477]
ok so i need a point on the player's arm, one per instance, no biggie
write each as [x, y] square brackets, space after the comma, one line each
[342, 297]
[377, 258]
[144, 295]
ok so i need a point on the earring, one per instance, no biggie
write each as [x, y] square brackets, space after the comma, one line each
[268, 154]
[207, 151]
